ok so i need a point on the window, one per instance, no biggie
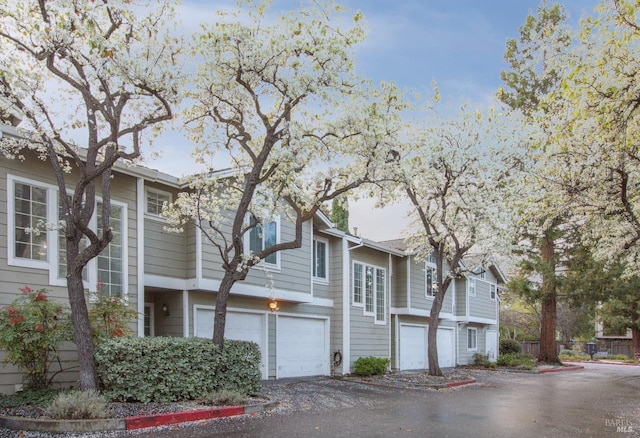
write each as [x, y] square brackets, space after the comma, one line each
[431, 281]
[30, 219]
[110, 260]
[30, 212]
[357, 284]
[369, 290]
[155, 200]
[472, 338]
[380, 295]
[263, 236]
[492, 291]
[320, 257]
[471, 287]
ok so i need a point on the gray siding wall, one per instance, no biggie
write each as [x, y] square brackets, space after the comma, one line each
[400, 283]
[461, 296]
[366, 337]
[165, 253]
[482, 306]
[295, 265]
[465, 356]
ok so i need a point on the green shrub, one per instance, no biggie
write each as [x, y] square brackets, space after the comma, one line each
[227, 397]
[31, 329]
[618, 357]
[513, 360]
[370, 366]
[167, 369]
[78, 405]
[239, 368]
[508, 346]
[566, 353]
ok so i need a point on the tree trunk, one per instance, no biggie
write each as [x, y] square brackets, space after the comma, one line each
[432, 336]
[548, 350]
[220, 318]
[84, 341]
[635, 341]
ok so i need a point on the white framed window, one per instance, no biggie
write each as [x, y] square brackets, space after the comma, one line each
[380, 295]
[431, 281]
[492, 291]
[106, 273]
[155, 200]
[111, 262]
[30, 211]
[264, 235]
[320, 259]
[370, 290]
[472, 339]
[358, 282]
[471, 287]
[483, 274]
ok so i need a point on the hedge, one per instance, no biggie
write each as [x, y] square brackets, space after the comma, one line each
[166, 369]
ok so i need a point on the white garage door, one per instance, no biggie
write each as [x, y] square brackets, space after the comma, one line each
[413, 347]
[239, 326]
[302, 347]
[445, 347]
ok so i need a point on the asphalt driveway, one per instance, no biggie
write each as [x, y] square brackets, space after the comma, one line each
[599, 401]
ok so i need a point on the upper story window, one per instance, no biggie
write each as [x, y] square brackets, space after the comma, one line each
[320, 259]
[431, 282]
[358, 280]
[369, 290]
[471, 287]
[111, 263]
[155, 200]
[492, 291]
[265, 235]
[29, 214]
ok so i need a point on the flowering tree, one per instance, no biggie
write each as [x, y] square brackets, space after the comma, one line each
[596, 124]
[281, 98]
[455, 175]
[88, 78]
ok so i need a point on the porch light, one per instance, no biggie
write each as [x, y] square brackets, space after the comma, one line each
[165, 309]
[273, 305]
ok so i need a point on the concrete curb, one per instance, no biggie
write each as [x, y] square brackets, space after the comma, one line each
[559, 369]
[414, 387]
[129, 423]
[604, 362]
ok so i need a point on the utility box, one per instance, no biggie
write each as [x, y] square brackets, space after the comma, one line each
[592, 348]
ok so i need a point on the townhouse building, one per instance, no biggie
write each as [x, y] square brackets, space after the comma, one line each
[336, 298]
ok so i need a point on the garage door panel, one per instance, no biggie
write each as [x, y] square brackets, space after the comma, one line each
[445, 348]
[302, 348]
[413, 347]
[239, 326]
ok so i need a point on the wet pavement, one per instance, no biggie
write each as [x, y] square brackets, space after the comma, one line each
[599, 401]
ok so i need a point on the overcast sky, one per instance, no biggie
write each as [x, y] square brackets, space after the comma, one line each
[457, 43]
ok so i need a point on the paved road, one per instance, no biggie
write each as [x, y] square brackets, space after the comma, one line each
[600, 401]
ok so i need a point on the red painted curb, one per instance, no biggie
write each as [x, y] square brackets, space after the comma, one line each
[142, 421]
[462, 382]
[555, 370]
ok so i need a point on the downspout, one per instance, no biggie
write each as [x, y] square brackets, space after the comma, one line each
[140, 254]
[388, 305]
[346, 308]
